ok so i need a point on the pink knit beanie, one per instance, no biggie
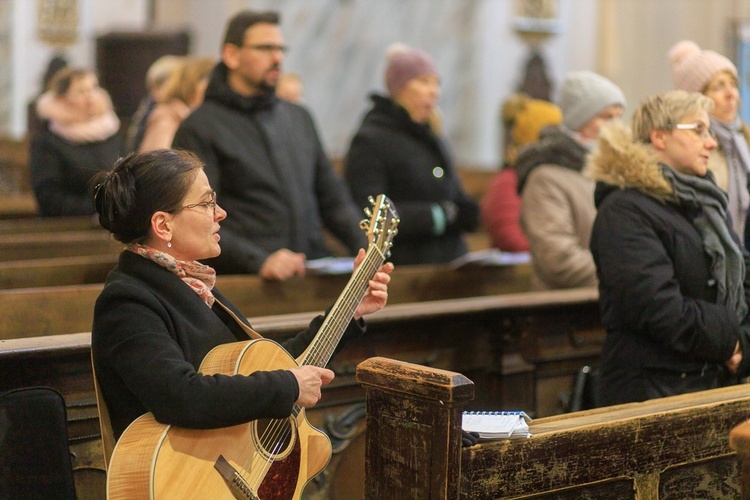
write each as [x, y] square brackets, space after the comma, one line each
[693, 68]
[405, 63]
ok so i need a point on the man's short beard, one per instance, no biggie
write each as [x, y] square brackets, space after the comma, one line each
[266, 87]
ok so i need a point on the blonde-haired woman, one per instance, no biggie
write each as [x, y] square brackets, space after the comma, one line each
[180, 94]
[673, 286]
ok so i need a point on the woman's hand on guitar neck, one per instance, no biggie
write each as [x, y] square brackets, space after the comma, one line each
[310, 379]
[377, 292]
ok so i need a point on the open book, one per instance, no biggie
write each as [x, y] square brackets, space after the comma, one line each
[497, 424]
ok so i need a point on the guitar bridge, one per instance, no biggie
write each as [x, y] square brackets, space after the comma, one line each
[237, 484]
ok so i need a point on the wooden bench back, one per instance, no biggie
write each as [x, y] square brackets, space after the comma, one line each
[472, 336]
[48, 225]
[671, 447]
[67, 309]
[63, 244]
[57, 271]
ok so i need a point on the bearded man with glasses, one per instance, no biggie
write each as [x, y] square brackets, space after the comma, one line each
[265, 160]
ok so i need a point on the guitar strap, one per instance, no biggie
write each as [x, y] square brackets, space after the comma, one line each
[105, 424]
[250, 332]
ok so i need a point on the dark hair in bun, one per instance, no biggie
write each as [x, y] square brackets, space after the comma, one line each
[140, 185]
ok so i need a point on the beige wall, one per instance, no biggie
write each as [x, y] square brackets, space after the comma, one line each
[635, 36]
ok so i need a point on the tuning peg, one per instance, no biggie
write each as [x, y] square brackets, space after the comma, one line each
[364, 224]
[368, 212]
[371, 200]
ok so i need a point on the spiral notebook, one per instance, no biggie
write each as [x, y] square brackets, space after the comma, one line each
[497, 424]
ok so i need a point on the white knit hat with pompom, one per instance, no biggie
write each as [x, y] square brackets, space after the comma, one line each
[693, 68]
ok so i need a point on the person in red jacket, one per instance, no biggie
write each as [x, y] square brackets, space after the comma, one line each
[522, 118]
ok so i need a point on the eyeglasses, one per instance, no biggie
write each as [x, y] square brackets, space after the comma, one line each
[204, 204]
[699, 128]
[267, 48]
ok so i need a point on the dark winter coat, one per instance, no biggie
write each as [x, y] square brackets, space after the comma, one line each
[666, 333]
[61, 171]
[405, 160]
[266, 163]
[150, 333]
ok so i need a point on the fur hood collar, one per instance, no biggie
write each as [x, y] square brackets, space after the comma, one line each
[622, 163]
[76, 126]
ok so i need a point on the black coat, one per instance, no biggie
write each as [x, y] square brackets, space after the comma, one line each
[666, 332]
[150, 333]
[61, 171]
[266, 163]
[392, 154]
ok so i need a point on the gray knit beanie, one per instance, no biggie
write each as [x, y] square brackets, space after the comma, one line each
[584, 95]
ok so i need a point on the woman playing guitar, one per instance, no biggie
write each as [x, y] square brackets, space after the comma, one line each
[166, 343]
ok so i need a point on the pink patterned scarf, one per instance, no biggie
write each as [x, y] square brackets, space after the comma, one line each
[200, 277]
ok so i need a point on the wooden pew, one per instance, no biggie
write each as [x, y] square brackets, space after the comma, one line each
[667, 448]
[81, 263]
[15, 206]
[475, 336]
[47, 225]
[56, 271]
[49, 310]
[475, 181]
[739, 441]
[14, 160]
[57, 244]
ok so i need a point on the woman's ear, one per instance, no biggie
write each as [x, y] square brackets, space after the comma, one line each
[657, 138]
[161, 226]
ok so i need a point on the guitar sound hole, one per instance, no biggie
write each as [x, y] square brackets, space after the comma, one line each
[275, 437]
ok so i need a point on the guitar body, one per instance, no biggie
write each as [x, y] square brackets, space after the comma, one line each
[275, 458]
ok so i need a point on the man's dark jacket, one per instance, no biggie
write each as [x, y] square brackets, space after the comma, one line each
[264, 158]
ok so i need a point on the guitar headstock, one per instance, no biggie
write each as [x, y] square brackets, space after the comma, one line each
[382, 223]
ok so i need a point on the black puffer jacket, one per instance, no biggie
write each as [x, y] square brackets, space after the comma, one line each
[61, 171]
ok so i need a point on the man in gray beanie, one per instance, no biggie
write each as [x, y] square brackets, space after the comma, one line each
[557, 201]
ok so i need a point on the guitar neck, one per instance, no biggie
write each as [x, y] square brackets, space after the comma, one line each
[334, 325]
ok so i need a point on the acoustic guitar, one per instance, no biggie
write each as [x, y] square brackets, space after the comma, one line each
[262, 459]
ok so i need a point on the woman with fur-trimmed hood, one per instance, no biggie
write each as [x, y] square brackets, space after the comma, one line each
[80, 137]
[672, 274]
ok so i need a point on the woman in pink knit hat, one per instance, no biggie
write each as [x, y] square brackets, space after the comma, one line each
[399, 151]
[715, 76]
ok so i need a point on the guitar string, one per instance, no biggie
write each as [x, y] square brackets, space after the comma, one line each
[278, 430]
[353, 294]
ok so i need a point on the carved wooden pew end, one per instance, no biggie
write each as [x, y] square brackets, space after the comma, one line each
[739, 441]
[413, 437]
[673, 447]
